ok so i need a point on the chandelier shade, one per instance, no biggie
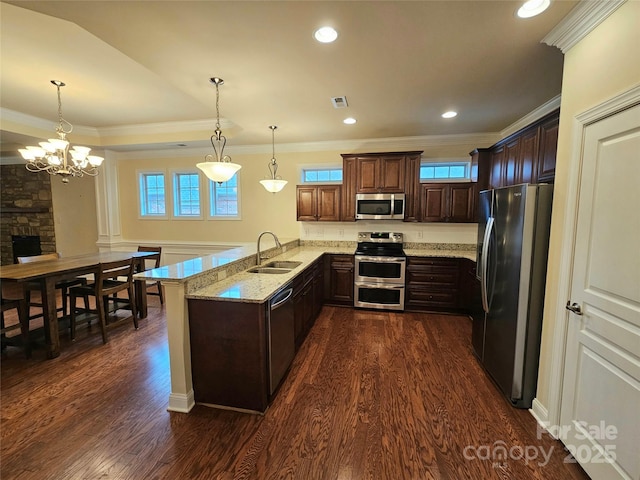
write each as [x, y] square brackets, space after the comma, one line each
[218, 167]
[53, 155]
[273, 183]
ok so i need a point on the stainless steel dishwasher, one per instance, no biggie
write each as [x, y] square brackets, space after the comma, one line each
[281, 335]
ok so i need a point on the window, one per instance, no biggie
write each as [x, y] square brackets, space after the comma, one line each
[186, 195]
[224, 199]
[322, 175]
[152, 195]
[446, 170]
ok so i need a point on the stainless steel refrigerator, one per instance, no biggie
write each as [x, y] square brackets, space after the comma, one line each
[513, 244]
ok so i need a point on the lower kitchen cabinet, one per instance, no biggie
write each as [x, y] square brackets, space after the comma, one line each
[307, 299]
[338, 279]
[433, 283]
[229, 353]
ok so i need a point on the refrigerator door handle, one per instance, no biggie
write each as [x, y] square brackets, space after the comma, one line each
[485, 263]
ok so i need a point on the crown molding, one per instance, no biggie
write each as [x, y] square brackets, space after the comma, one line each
[344, 146]
[39, 123]
[531, 117]
[584, 18]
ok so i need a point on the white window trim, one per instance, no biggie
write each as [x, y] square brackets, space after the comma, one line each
[167, 199]
[172, 174]
[465, 161]
[210, 205]
[322, 166]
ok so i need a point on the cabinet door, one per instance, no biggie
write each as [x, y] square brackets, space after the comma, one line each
[434, 202]
[306, 203]
[338, 279]
[391, 174]
[348, 196]
[462, 202]
[328, 209]
[412, 189]
[548, 150]
[511, 150]
[496, 176]
[367, 173]
[527, 166]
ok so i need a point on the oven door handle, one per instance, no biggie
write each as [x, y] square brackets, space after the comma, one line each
[379, 285]
[380, 259]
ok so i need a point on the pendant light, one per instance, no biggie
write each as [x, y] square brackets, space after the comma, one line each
[273, 183]
[219, 168]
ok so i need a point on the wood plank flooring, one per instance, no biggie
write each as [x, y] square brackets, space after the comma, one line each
[371, 395]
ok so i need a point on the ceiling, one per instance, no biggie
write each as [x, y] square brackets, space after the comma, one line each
[144, 66]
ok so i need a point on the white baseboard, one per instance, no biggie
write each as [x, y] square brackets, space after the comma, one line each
[541, 414]
[179, 402]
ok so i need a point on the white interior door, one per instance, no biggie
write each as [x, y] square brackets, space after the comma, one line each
[600, 411]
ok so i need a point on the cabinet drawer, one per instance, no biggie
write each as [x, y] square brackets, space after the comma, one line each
[425, 262]
[439, 279]
[429, 298]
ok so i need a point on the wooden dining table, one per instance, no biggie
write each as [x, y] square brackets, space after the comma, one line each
[49, 272]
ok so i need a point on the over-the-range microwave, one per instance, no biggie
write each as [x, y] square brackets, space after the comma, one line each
[380, 206]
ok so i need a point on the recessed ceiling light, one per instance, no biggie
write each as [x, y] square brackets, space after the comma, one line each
[325, 34]
[450, 114]
[533, 8]
[349, 121]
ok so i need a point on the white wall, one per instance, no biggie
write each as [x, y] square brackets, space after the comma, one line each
[602, 65]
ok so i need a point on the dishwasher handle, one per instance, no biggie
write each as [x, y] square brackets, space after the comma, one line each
[278, 302]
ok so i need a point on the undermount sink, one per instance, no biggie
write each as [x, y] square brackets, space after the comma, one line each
[269, 270]
[283, 264]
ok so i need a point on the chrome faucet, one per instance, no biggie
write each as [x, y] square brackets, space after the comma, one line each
[258, 256]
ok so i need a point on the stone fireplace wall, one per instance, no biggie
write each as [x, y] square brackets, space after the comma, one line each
[26, 208]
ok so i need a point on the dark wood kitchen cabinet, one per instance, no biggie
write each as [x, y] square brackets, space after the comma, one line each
[527, 156]
[548, 141]
[381, 174]
[448, 202]
[318, 203]
[229, 353]
[348, 196]
[338, 279]
[432, 284]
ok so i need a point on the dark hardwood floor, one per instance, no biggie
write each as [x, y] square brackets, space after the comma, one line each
[370, 396]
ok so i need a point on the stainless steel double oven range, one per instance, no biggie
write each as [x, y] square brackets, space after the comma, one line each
[381, 265]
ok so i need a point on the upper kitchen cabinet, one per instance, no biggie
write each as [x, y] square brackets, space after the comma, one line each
[348, 189]
[449, 202]
[548, 145]
[527, 156]
[379, 172]
[387, 172]
[380, 175]
[318, 203]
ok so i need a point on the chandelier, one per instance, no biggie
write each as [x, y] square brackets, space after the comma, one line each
[52, 156]
[273, 183]
[219, 168]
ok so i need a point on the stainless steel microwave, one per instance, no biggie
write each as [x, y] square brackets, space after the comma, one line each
[380, 206]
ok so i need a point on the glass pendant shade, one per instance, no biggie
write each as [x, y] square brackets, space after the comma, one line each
[273, 186]
[219, 171]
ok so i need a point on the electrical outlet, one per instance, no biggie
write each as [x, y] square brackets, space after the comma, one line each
[420, 235]
[341, 233]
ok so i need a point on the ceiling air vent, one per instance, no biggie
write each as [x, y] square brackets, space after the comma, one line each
[339, 102]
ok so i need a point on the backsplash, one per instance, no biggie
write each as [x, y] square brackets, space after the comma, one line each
[430, 233]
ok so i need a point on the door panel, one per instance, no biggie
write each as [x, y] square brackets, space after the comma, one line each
[602, 362]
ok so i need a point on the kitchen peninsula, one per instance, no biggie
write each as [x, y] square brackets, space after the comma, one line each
[224, 277]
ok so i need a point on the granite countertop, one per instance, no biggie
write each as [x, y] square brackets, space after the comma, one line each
[256, 287]
[250, 287]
